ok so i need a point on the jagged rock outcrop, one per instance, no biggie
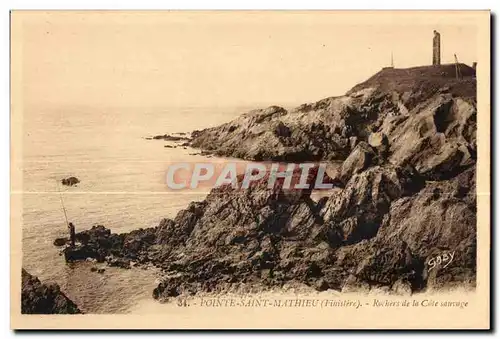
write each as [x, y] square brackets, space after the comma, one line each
[362, 157]
[422, 116]
[38, 298]
[168, 137]
[397, 132]
[404, 194]
[441, 217]
[120, 250]
[356, 212]
[439, 139]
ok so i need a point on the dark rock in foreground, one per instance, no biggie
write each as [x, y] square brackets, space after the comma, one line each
[377, 232]
[61, 242]
[38, 298]
[118, 250]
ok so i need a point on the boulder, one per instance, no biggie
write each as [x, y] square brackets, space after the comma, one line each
[118, 262]
[38, 298]
[362, 157]
[61, 242]
[71, 181]
[440, 218]
[84, 252]
[356, 212]
[281, 130]
[437, 141]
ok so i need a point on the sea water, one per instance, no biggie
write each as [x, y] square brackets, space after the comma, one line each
[122, 187]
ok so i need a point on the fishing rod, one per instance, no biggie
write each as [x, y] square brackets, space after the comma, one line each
[62, 203]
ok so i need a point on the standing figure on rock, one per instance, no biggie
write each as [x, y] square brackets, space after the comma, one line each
[72, 234]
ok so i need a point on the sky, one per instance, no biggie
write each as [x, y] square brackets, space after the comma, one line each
[220, 59]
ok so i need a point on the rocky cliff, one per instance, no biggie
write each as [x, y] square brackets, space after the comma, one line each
[423, 115]
[38, 298]
[406, 196]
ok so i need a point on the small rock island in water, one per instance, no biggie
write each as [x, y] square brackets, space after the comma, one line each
[71, 181]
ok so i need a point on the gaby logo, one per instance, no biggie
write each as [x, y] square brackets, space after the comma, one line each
[238, 175]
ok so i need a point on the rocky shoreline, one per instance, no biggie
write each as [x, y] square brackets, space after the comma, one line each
[39, 298]
[406, 194]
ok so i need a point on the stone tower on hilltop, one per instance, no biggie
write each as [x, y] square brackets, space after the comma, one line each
[436, 48]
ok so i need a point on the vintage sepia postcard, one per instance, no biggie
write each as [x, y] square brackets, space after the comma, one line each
[250, 169]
